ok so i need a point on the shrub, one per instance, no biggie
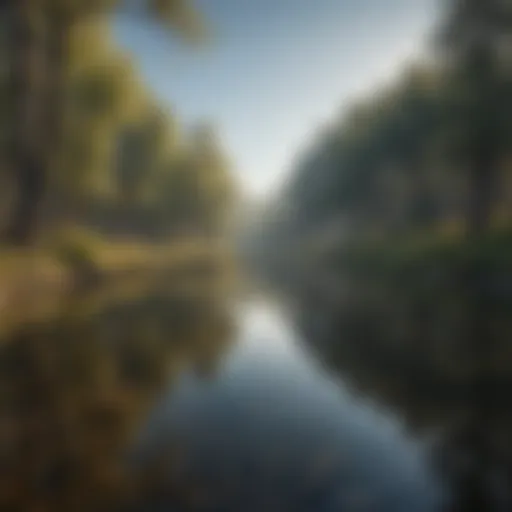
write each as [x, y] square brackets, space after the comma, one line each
[77, 250]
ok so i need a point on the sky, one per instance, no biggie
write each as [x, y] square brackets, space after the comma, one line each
[277, 70]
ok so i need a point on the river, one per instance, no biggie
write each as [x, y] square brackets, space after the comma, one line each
[168, 399]
[274, 431]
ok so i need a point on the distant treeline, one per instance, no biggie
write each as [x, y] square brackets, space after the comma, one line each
[431, 151]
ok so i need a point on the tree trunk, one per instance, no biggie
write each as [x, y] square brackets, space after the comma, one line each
[55, 98]
[481, 197]
[39, 45]
[421, 207]
[484, 142]
[59, 27]
[27, 59]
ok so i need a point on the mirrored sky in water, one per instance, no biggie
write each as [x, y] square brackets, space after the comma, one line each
[273, 412]
[278, 69]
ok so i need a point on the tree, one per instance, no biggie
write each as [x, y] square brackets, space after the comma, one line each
[39, 37]
[473, 34]
[195, 191]
[26, 57]
[142, 149]
[372, 167]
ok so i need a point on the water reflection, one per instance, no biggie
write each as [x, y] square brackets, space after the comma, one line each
[434, 347]
[76, 391]
[273, 432]
[144, 402]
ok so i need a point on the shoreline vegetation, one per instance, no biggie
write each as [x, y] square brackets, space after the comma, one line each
[37, 283]
[397, 254]
[99, 181]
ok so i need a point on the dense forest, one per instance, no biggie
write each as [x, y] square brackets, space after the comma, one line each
[84, 142]
[430, 152]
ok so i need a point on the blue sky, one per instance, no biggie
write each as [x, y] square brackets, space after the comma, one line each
[277, 70]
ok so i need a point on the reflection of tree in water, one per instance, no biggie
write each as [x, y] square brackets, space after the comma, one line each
[75, 392]
[435, 347]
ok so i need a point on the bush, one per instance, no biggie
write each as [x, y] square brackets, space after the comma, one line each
[77, 250]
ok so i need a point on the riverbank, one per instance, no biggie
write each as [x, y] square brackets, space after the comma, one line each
[420, 249]
[36, 282]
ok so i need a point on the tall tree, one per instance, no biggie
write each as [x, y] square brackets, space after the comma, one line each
[26, 58]
[473, 35]
[39, 44]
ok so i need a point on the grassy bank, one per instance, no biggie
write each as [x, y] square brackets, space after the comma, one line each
[34, 282]
[421, 251]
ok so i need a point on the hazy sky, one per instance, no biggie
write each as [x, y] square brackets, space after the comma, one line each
[278, 69]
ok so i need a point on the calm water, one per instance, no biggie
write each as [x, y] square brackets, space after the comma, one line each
[273, 431]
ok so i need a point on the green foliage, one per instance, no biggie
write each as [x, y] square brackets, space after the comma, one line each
[77, 250]
[396, 164]
[119, 163]
[395, 257]
[430, 151]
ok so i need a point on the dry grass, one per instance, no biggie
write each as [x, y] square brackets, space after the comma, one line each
[36, 282]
